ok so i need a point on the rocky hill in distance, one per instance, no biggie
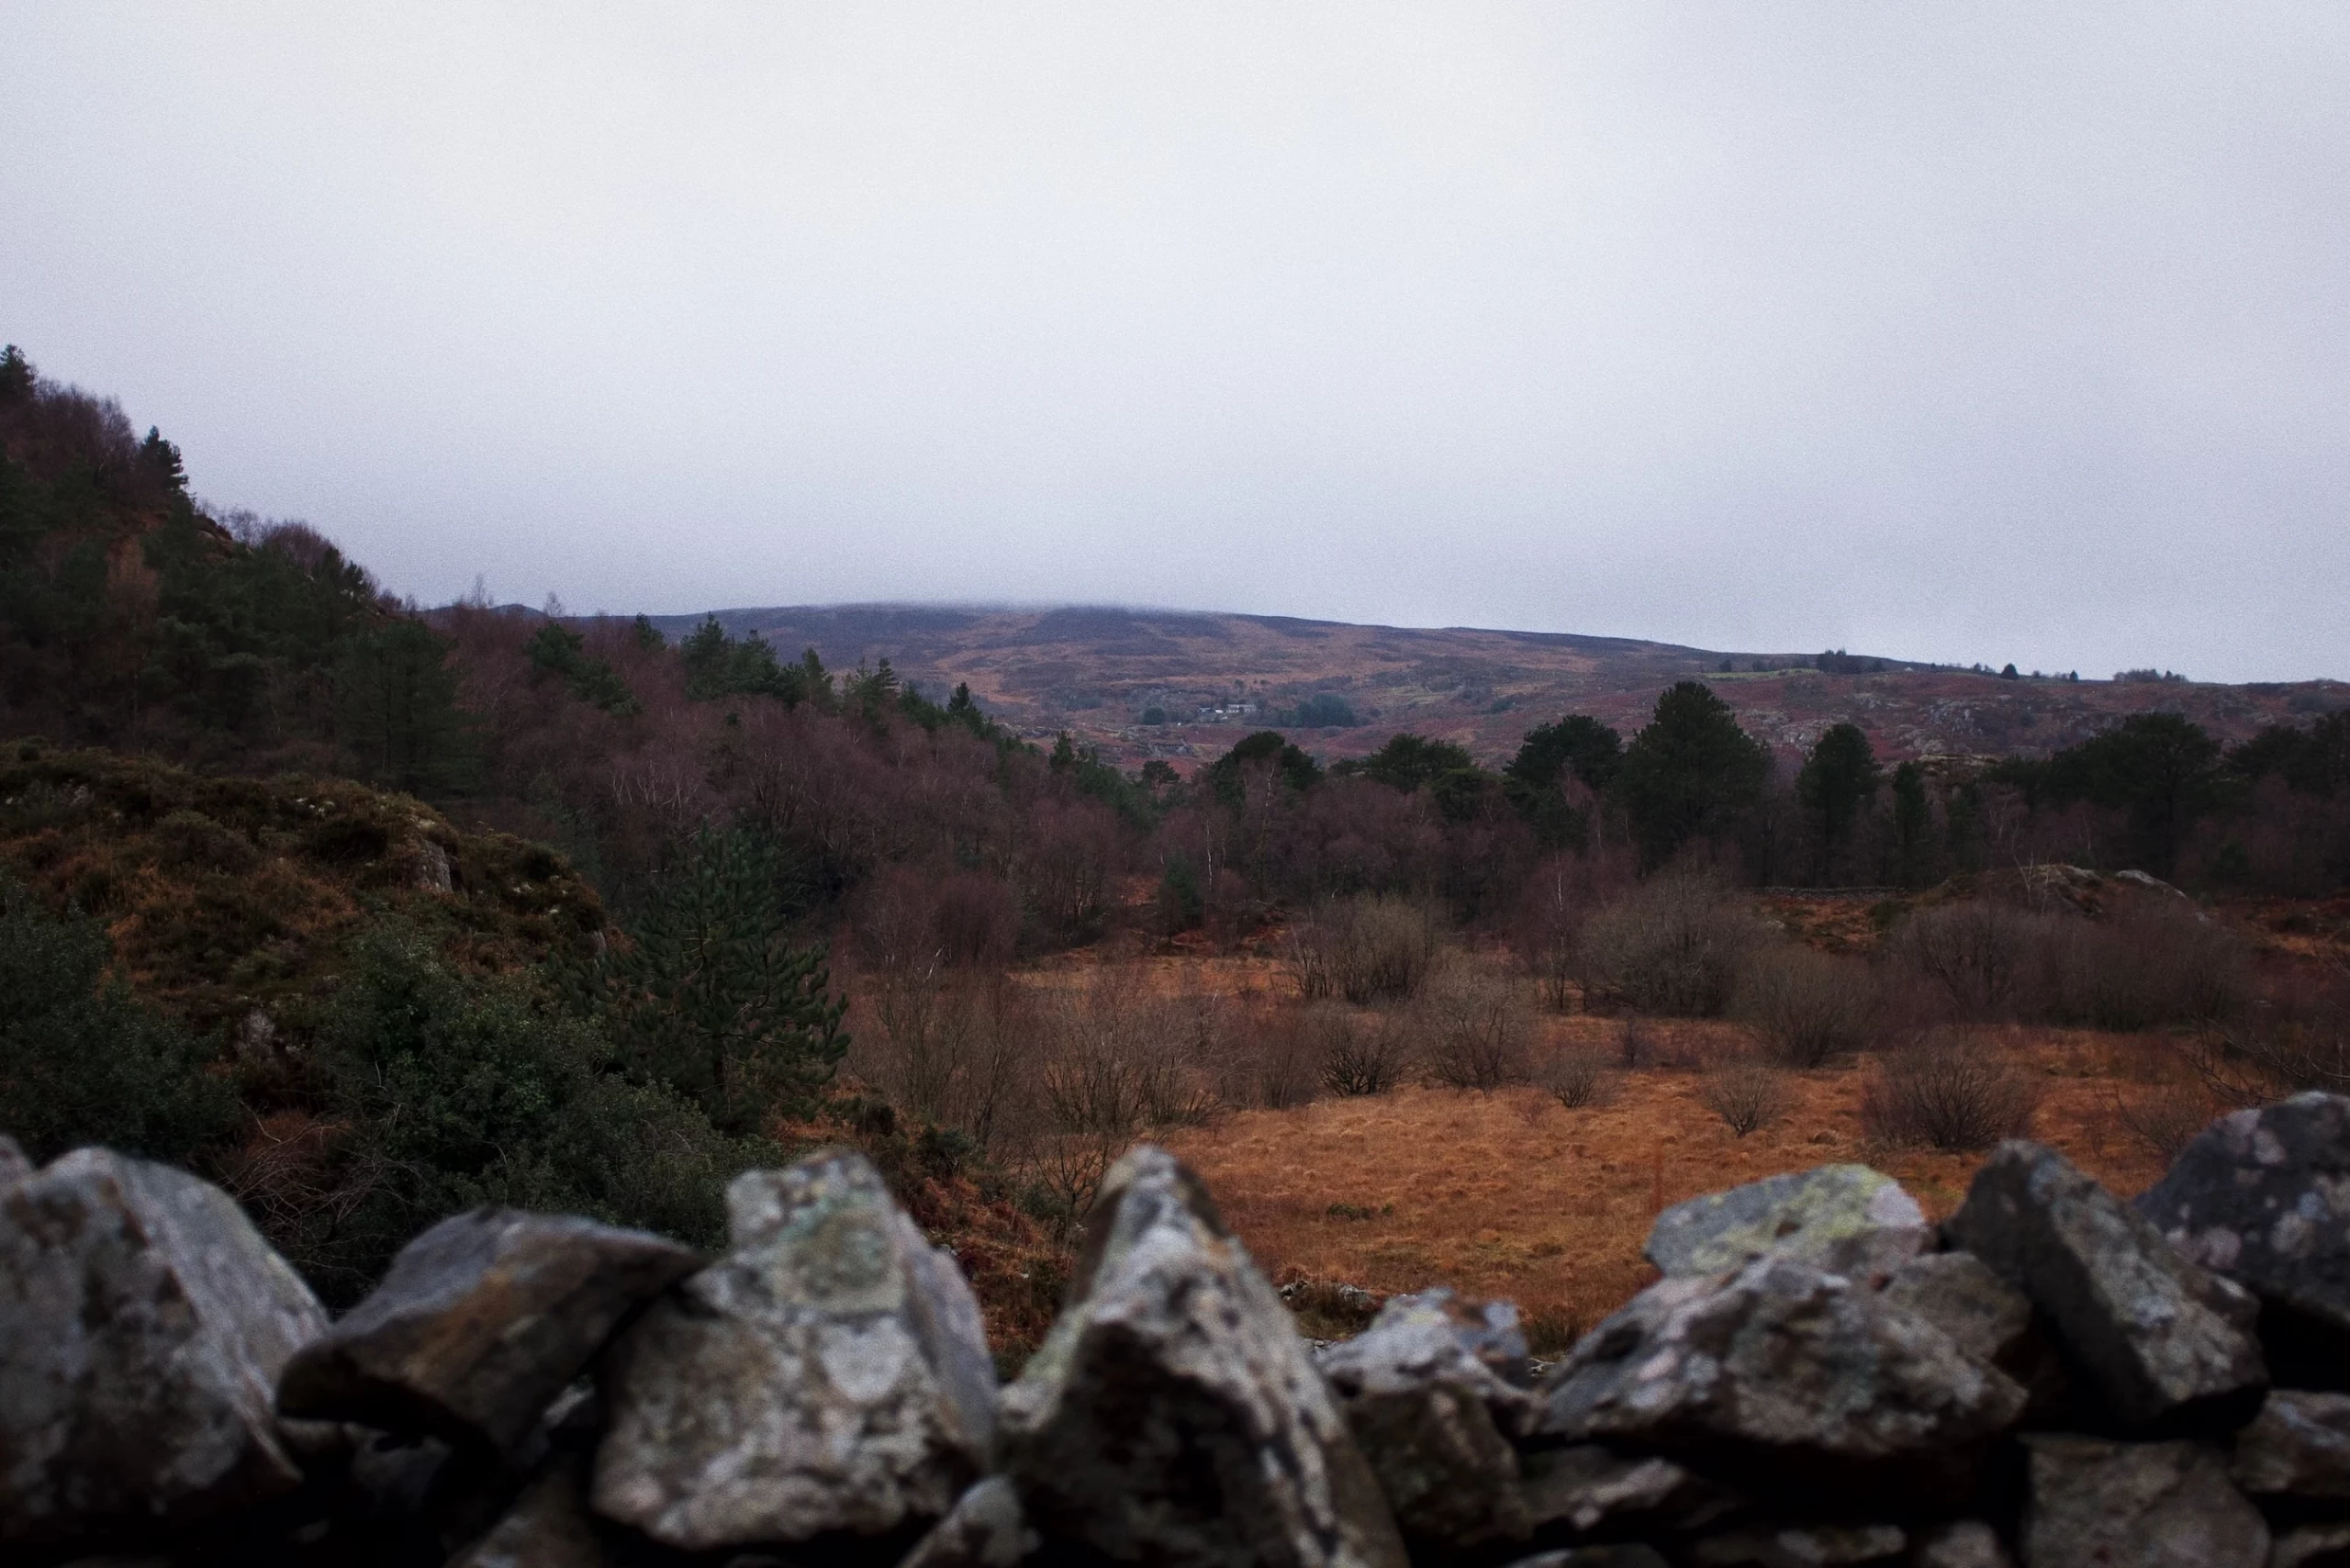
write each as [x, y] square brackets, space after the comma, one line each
[1144, 683]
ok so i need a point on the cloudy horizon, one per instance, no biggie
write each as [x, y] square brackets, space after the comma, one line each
[1980, 332]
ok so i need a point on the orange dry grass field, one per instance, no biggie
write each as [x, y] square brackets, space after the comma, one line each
[1511, 1194]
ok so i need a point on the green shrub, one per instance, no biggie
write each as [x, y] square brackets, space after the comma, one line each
[82, 1061]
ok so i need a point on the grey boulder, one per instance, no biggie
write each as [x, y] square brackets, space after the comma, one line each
[1844, 1219]
[1174, 1416]
[830, 1374]
[2164, 1342]
[14, 1166]
[1435, 1420]
[1785, 1373]
[2263, 1196]
[2298, 1446]
[143, 1324]
[479, 1324]
[549, 1526]
[2166, 1505]
[1629, 1555]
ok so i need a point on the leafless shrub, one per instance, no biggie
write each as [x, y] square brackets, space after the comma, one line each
[2147, 967]
[1277, 1060]
[2295, 1039]
[1640, 1045]
[1363, 1053]
[1672, 945]
[1366, 948]
[1806, 1007]
[949, 1048]
[2162, 1116]
[1977, 955]
[1950, 1092]
[1747, 1095]
[1476, 1028]
[1560, 893]
[1577, 1077]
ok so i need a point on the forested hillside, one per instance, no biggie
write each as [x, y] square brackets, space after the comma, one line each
[405, 910]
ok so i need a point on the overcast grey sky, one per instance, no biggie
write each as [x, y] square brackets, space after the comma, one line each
[1940, 330]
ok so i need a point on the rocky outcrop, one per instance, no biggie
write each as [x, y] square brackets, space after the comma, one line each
[1843, 1219]
[143, 1325]
[1174, 1416]
[2162, 1342]
[2263, 1197]
[828, 1375]
[480, 1323]
[529, 1392]
[1781, 1370]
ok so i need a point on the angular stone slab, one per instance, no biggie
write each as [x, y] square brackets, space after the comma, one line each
[1174, 1416]
[2299, 1446]
[1843, 1219]
[1785, 1373]
[986, 1527]
[2136, 1506]
[831, 1374]
[2263, 1196]
[1435, 1420]
[479, 1324]
[1593, 1491]
[1985, 1318]
[2165, 1342]
[548, 1527]
[143, 1324]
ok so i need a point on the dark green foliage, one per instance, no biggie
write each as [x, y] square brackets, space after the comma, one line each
[1912, 823]
[648, 636]
[461, 1090]
[1083, 766]
[2160, 770]
[559, 651]
[396, 710]
[1837, 780]
[82, 1061]
[1411, 763]
[1690, 772]
[1292, 766]
[1578, 747]
[1181, 905]
[718, 665]
[711, 997]
[2313, 759]
[1323, 710]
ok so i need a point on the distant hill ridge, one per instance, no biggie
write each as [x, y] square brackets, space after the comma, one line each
[1208, 677]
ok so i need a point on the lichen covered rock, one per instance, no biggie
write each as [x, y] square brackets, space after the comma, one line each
[830, 1374]
[1843, 1219]
[1174, 1416]
[2167, 1505]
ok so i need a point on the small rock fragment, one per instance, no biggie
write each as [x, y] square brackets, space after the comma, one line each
[2299, 1446]
[1625, 1555]
[1961, 1543]
[1174, 1416]
[480, 1323]
[2312, 1546]
[143, 1324]
[2166, 1342]
[14, 1166]
[548, 1527]
[1802, 1546]
[1780, 1371]
[1593, 1490]
[2263, 1197]
[1841, 1220]
[1435, 1420]
[830, 1374]
[2144, 1504]
[985, 1528]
